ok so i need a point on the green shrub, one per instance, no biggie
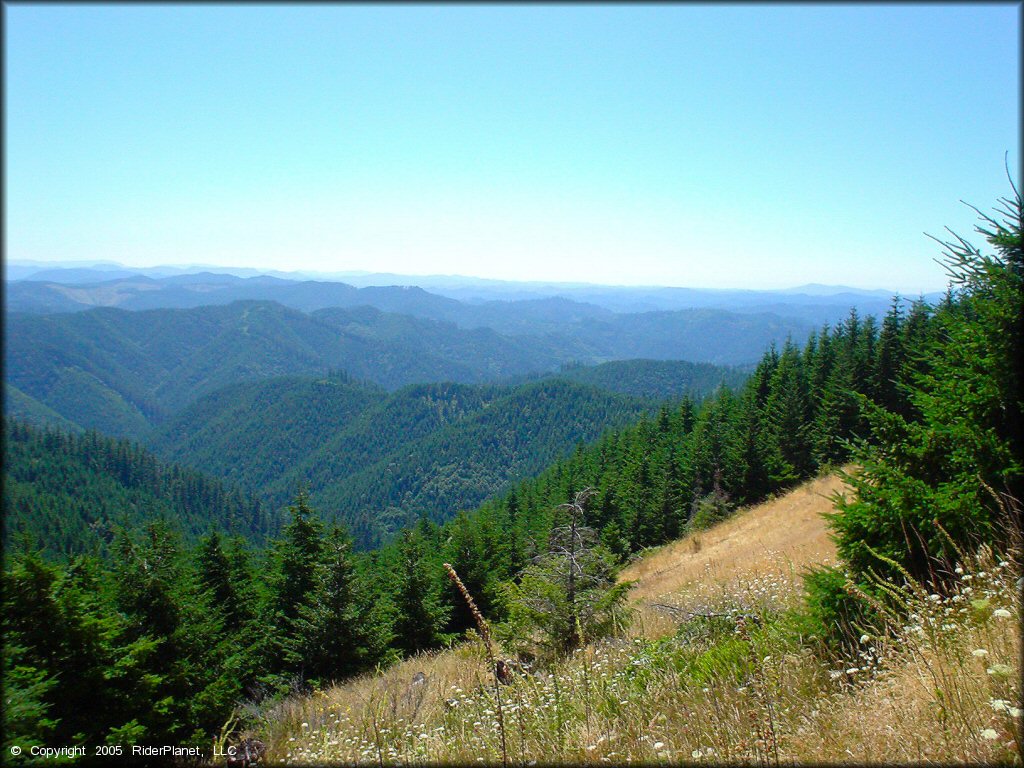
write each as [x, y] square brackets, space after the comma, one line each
[831, 614]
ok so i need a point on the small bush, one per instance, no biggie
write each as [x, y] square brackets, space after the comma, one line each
[831, 614]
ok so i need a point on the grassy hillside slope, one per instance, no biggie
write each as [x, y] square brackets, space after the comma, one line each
[782, 535]
[689, 683]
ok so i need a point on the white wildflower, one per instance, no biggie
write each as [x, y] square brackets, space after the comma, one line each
[659, 744]
[999, 705]
[990, 734]
[979, 652]
[865, 638]
[1001, 613]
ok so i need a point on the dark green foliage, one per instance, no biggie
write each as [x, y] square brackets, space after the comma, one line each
[336, 633]
[420, 615]
[296, 560]
[787, 416]
[377, 461]
[67, 492]
[831, 614]
[951, 476]
[568, 596]
[251, 433]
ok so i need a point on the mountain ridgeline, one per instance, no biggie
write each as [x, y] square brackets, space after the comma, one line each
[265, 397]
[508, 307]
[124, 373]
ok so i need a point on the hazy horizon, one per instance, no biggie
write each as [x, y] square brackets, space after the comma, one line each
[357, 273]
[720, 147]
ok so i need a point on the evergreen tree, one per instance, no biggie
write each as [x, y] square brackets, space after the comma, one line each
[296, 560]
[786, 413]
[891, 353]
[568, 597]
[336, 634]
[419, 614]
[959, 464]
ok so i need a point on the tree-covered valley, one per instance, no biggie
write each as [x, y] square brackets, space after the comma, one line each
[213, 512]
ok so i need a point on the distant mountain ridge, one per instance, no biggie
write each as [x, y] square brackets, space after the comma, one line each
[39, 288]
[123, 372]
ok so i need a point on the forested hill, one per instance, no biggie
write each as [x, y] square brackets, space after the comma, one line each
[465, 462]
[659, 379]
[379, 461]
[123, 372]
[66, 493]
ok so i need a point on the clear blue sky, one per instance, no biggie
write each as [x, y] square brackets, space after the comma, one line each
[708, 146]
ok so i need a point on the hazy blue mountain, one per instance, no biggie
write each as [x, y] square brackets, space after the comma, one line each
[697, 335]
[509, 307]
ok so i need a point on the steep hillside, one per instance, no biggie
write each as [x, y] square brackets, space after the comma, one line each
[18, 405]
[251, 432]
[464, 463]
[470, 355]
[691, 683]
[64, 493]
[403, 418]
[378, 461]
[781, 536]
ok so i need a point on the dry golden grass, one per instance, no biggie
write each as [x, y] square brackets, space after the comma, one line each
[780, 535]
[946, 689]
[753, 559]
